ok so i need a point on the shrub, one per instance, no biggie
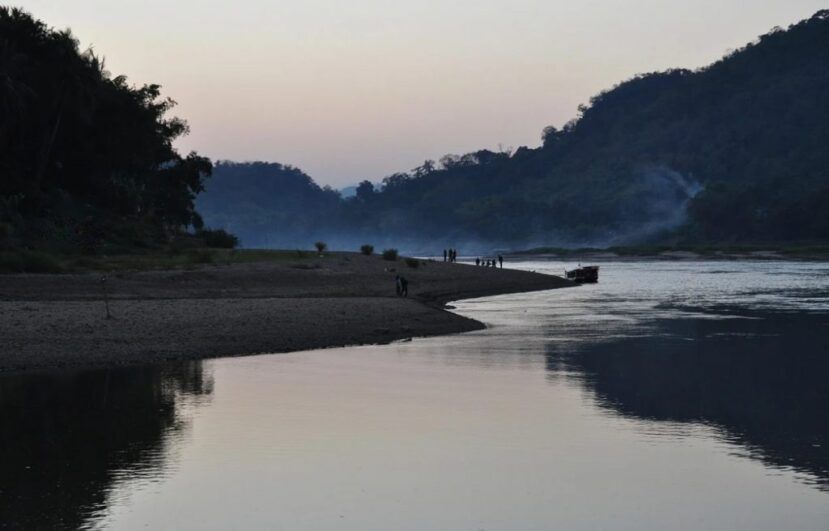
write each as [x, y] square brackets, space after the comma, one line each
[367, 249]
[390, 254]
[201, 256]
[218, 238]
[413, 262]
[321, 246]
[29, 262]
[5, 232]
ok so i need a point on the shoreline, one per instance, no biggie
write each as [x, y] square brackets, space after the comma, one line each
[335, 300]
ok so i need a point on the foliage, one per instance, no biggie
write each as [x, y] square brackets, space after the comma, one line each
[321, 246]
[267, 204]
[390, 254]
[26, 261]
[732, 152]
[367, 249]
[86, 158]
[218, 238]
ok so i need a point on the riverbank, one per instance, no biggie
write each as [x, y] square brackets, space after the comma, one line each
[217, 310]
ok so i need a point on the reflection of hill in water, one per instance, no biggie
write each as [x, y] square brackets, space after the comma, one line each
[65, 438]
[763, 381]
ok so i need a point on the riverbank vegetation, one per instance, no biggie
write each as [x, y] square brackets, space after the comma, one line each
[87, 158]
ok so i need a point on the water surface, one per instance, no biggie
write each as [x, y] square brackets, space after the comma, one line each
[680, 395]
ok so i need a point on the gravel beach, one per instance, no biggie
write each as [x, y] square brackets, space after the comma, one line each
[55, 321]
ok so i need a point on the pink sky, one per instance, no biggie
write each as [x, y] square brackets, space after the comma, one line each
[361, 89]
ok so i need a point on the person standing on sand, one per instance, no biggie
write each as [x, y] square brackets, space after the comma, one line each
[477, 261]
[501, 260]
[444, 255]
[404, 287]
[398, 284]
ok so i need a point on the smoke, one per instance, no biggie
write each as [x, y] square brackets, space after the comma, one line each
[643, 206]
[656, 205]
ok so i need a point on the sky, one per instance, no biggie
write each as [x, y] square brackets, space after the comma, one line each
[358, 89]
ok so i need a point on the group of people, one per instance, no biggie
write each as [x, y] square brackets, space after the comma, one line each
[450, 255]
[495, 262]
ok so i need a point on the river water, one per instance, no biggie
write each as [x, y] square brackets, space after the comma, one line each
[671, 395]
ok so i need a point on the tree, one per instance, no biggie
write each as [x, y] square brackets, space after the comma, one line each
[365, 191]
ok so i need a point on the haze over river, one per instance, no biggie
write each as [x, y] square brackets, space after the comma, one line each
[671, 395]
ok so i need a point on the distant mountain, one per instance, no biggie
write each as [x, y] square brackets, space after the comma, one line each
[733, 152]
[348, 191]
[266, 204]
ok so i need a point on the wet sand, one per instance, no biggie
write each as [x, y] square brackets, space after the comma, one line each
[55, 321]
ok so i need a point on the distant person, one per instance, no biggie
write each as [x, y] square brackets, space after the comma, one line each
[398, 285]
[444, 255]
[404, 287]
[478, 261]
[501, 260]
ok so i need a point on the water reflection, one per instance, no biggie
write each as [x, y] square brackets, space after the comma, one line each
[741, 347]
[67, 437]
[615, 405]
[760, 380]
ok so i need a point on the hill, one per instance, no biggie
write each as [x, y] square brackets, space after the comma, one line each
[732, 153]
[87, 159]
[267, 204]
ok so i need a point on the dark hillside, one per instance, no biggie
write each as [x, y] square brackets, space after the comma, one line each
[86, 159]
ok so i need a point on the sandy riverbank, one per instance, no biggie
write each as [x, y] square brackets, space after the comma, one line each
[49, 321]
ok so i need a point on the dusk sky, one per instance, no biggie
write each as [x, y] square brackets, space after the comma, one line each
[364, 88]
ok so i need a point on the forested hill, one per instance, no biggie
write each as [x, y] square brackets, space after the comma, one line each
[733, 152]
[267, 204]
[87, 161]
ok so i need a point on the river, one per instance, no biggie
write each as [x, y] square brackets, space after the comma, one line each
[671, 395]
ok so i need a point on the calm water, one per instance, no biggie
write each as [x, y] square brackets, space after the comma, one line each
[669, 396]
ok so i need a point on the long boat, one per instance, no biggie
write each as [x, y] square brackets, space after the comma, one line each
[583, 275]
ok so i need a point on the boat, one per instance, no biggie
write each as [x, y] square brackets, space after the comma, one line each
[583, 275]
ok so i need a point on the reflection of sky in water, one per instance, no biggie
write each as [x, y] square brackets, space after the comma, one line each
[660, 398]
[631, 295]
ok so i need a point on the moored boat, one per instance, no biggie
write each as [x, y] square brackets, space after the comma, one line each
[582, 275]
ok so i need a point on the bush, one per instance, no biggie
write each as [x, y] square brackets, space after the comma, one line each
[29, 262]
[413, 262]
[218, 238]
[321, 246]
[390, 254]
[5, 231]
[367, 249]
[201, 256]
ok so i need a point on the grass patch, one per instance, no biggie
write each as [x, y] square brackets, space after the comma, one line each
[25, 261]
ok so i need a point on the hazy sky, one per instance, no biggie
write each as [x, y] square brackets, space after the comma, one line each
[355, 89]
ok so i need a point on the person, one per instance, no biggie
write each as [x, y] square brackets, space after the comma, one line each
[477, 261]
[444, 255]
[404, 287]
[398, 284]
[501, 260]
